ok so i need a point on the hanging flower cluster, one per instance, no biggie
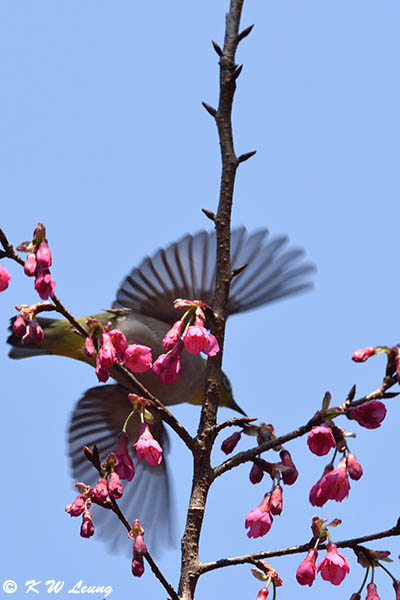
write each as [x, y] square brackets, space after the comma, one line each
[187, 333]
[112, 347]
[38, 262]
[333, 567]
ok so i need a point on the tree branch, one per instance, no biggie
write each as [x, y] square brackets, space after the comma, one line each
[250, 558]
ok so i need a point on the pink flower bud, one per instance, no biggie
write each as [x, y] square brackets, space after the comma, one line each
[4, 278]
[137, 565]
[372, 592]
[19, 326]
[263, 594]
[333, 567]
[36, 332]
[307, 570]
[173, 335]
[355, 596]
[107, 354]
[256, 474]
[320, 440]
[115, 488]
[354, 468]
[197, 339]
[43, 256]
[30, 265]
[139, 546]
[138, 358]
[288, 477]
[119, 341]
[88, 347]
[101, 490]
[316, 497]
[259, 519]
[87, 527]
[276, 503]
[363, 355]
[124, 466]
[77, 507]
[168, 366]
[231, 442]
[102, 374]
[396, 585]
[147, 447]
[369, 415]
[45, 284]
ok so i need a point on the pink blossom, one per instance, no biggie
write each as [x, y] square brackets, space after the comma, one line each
[168, 366]
[320, 440]
[88, 347]
[147, 447]
[372, 592]
[363, 355]
[138, 358]
[290, 476]
[354, 468]
[256, 474]
[102, 374]
[259, 520]
[19, 326]
[316, 497]
[307, 570]
[101, 490]
[114, 485]
[276, 503]
[119, 342]
[87, 527]
[4, 278]
[107, 354]
[335, 484]
[173, 335]
[197, 339]
[77, 507]
[124, 466]
[333, 567]
[263, 594]
[369, 415]
[43, 256]
[137, 565]
[231, 442]
[30, 265]
[35, 331]
[45, 284]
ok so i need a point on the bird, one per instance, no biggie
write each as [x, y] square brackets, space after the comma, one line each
[144, 311]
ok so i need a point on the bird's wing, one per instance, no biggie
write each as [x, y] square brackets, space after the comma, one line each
[186, 269]
[97, 419]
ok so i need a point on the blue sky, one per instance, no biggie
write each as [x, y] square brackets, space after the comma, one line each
[104, 139]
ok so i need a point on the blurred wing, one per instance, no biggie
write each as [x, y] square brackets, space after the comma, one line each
[186, 269]
[97, 419]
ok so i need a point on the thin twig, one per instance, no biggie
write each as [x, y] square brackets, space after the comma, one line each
[249, 558]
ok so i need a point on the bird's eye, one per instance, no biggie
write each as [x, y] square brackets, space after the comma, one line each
[226, 383]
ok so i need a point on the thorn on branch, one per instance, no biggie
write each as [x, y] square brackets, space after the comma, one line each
[244, 33]
[209, 214]
[209, 109]
[246, 156]
[238, 270]
[217, 48]
[237, 72]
